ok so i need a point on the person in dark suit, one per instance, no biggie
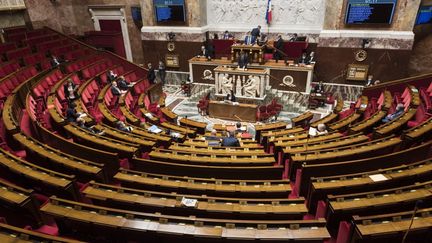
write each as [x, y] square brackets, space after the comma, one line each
[311, 58]
[55, 62]
[111, 76]
[151, 76]
[162, 72]
[115, 89]
[319, 88]
[294, 37]
[70, 90]
[400, 108]
[227, 35]
[248, 38]
[71, 113]
[243, 59]
[230, 140]
[279, 45]
[204, 52]
[303, 59]
[123, 84]
[256, 32]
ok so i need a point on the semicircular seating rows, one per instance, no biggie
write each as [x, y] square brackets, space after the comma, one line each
[363, 181]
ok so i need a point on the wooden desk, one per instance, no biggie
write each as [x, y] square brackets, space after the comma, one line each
[170, 203]
[386, 228]
[33, 175]
[169, 114]
[131, 224]
[302, 119]
[240, 112]
[199, 126]
[259, 129]
[11, 234]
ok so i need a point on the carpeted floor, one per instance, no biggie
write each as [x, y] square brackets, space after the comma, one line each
[183, 107]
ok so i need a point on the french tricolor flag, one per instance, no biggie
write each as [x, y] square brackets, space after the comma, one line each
[269, 12]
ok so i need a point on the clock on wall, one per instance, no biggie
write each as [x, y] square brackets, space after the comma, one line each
[171, 46]
[360, 55]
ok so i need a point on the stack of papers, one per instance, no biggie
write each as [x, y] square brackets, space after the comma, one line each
[154, 129]
[149, 115]
[378, 177]
[189, 202]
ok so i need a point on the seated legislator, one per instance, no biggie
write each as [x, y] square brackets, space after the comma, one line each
[213, 139]
[390, 117]
[70, 90]
[320, 130]
[248, 39]
[227, 35]
[111, 75]
[303, 59]
[71, 113]
[115, 89]
[319, 88]
[82, 123]
[123, 84]
[311, 58]
[230, 140]
[120, 125]
[204, 52]
[55, 62]
[243, 60]
[293, 38]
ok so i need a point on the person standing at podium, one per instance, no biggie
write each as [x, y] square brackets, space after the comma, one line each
[243, 59]
[256, 32]
[248, 38]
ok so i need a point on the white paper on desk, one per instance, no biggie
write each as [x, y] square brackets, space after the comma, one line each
[149, 115]
[189, 202]
[235, 103]
[175, 134]
[154, 129]
[313, 131]
[378, 177]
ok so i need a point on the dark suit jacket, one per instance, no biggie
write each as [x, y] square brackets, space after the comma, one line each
[122, 84]
[151, 76]
[230, 142]
[110, 77]
[115, 91]
[255, 33]
[54, 64]
[302, 60]
[71, 115]
[66, 91]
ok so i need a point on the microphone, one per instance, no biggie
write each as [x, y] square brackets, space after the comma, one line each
[416, 207]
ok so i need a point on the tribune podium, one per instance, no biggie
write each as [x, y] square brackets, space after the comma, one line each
[248, 85]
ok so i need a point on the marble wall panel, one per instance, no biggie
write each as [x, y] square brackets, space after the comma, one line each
[10, 19]
[245, 13]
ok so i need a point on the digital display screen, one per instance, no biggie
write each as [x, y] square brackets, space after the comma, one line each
[424, 15]
[370, 11]
[169, 10]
